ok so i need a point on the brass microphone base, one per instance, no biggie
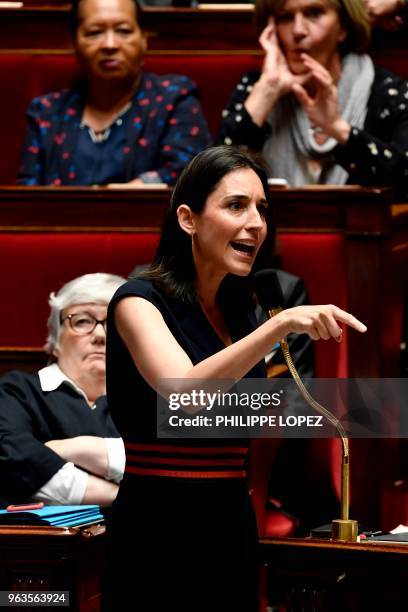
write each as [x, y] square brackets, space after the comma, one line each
[344, 530]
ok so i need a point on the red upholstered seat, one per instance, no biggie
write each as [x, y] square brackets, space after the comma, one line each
[278, 525]
[25, 76]
[323, 269]
[16, 93]
[318, 259]
[215, 75]
[76, 253]
[53, 72]
[40, 263]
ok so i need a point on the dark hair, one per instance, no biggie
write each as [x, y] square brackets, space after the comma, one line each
[352, 14]
[74, 15]
[173, 267]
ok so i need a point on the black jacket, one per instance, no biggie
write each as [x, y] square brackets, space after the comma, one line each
[375, 155]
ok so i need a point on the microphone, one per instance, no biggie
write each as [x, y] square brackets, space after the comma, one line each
[270, 298]
[268, 292]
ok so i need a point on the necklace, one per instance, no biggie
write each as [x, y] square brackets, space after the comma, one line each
[103, 134]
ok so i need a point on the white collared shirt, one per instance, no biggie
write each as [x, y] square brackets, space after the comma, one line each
[51, 377]
[68, 485]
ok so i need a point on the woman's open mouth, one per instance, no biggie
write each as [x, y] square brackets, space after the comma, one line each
[242, 247]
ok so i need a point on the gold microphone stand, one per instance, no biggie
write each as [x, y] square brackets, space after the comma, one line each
[344, 528]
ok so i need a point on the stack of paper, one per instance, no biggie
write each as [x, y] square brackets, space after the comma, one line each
[398, 535]
[57, 516]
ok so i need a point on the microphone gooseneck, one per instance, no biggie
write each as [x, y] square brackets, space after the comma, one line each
[270, 298]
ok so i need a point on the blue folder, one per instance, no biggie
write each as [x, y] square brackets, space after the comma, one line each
[59, 516]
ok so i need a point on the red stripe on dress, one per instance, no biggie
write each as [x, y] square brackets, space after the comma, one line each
[178, 461]
[233, 450]
[184, 473]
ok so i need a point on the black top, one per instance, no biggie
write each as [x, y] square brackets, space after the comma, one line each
[132, 401]
[374, 155]
[29, 417]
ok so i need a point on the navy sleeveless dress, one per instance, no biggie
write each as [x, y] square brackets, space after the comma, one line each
[182, 533]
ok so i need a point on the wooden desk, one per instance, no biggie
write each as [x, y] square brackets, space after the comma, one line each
[56, 559]
[353, 210]
[322, 576]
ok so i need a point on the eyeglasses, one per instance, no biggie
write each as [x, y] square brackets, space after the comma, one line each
[83, 323]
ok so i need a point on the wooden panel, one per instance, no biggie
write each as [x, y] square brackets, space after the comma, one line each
[27, 359]
[54, 558]
[308, 574]
[356, 211]
[45, 28]
[223, 29]
[35, 28]
[82, 209]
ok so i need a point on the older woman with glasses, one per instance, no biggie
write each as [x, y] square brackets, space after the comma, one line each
[58, 443]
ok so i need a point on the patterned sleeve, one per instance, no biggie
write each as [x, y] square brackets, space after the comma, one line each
[187, 131]
[32, 165]
[380, 159]
[237, 127]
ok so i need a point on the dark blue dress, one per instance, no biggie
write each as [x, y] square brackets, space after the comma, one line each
[181, 536]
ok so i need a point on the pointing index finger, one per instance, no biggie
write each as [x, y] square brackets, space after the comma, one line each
[349, 319]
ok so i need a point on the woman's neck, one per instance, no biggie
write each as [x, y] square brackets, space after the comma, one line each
[110, 98]
[93, 387]
[206, 287]
[92, 383]
[207, 280]
[334, 68]
[207, 300]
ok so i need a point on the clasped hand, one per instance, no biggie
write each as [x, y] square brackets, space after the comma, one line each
[315, 88]
[276, 72]
[385, 13]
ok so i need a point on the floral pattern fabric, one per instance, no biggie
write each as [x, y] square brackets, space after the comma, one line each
[374, 155]
[164, 128]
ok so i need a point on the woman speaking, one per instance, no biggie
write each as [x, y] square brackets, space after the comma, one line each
[183, 532]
